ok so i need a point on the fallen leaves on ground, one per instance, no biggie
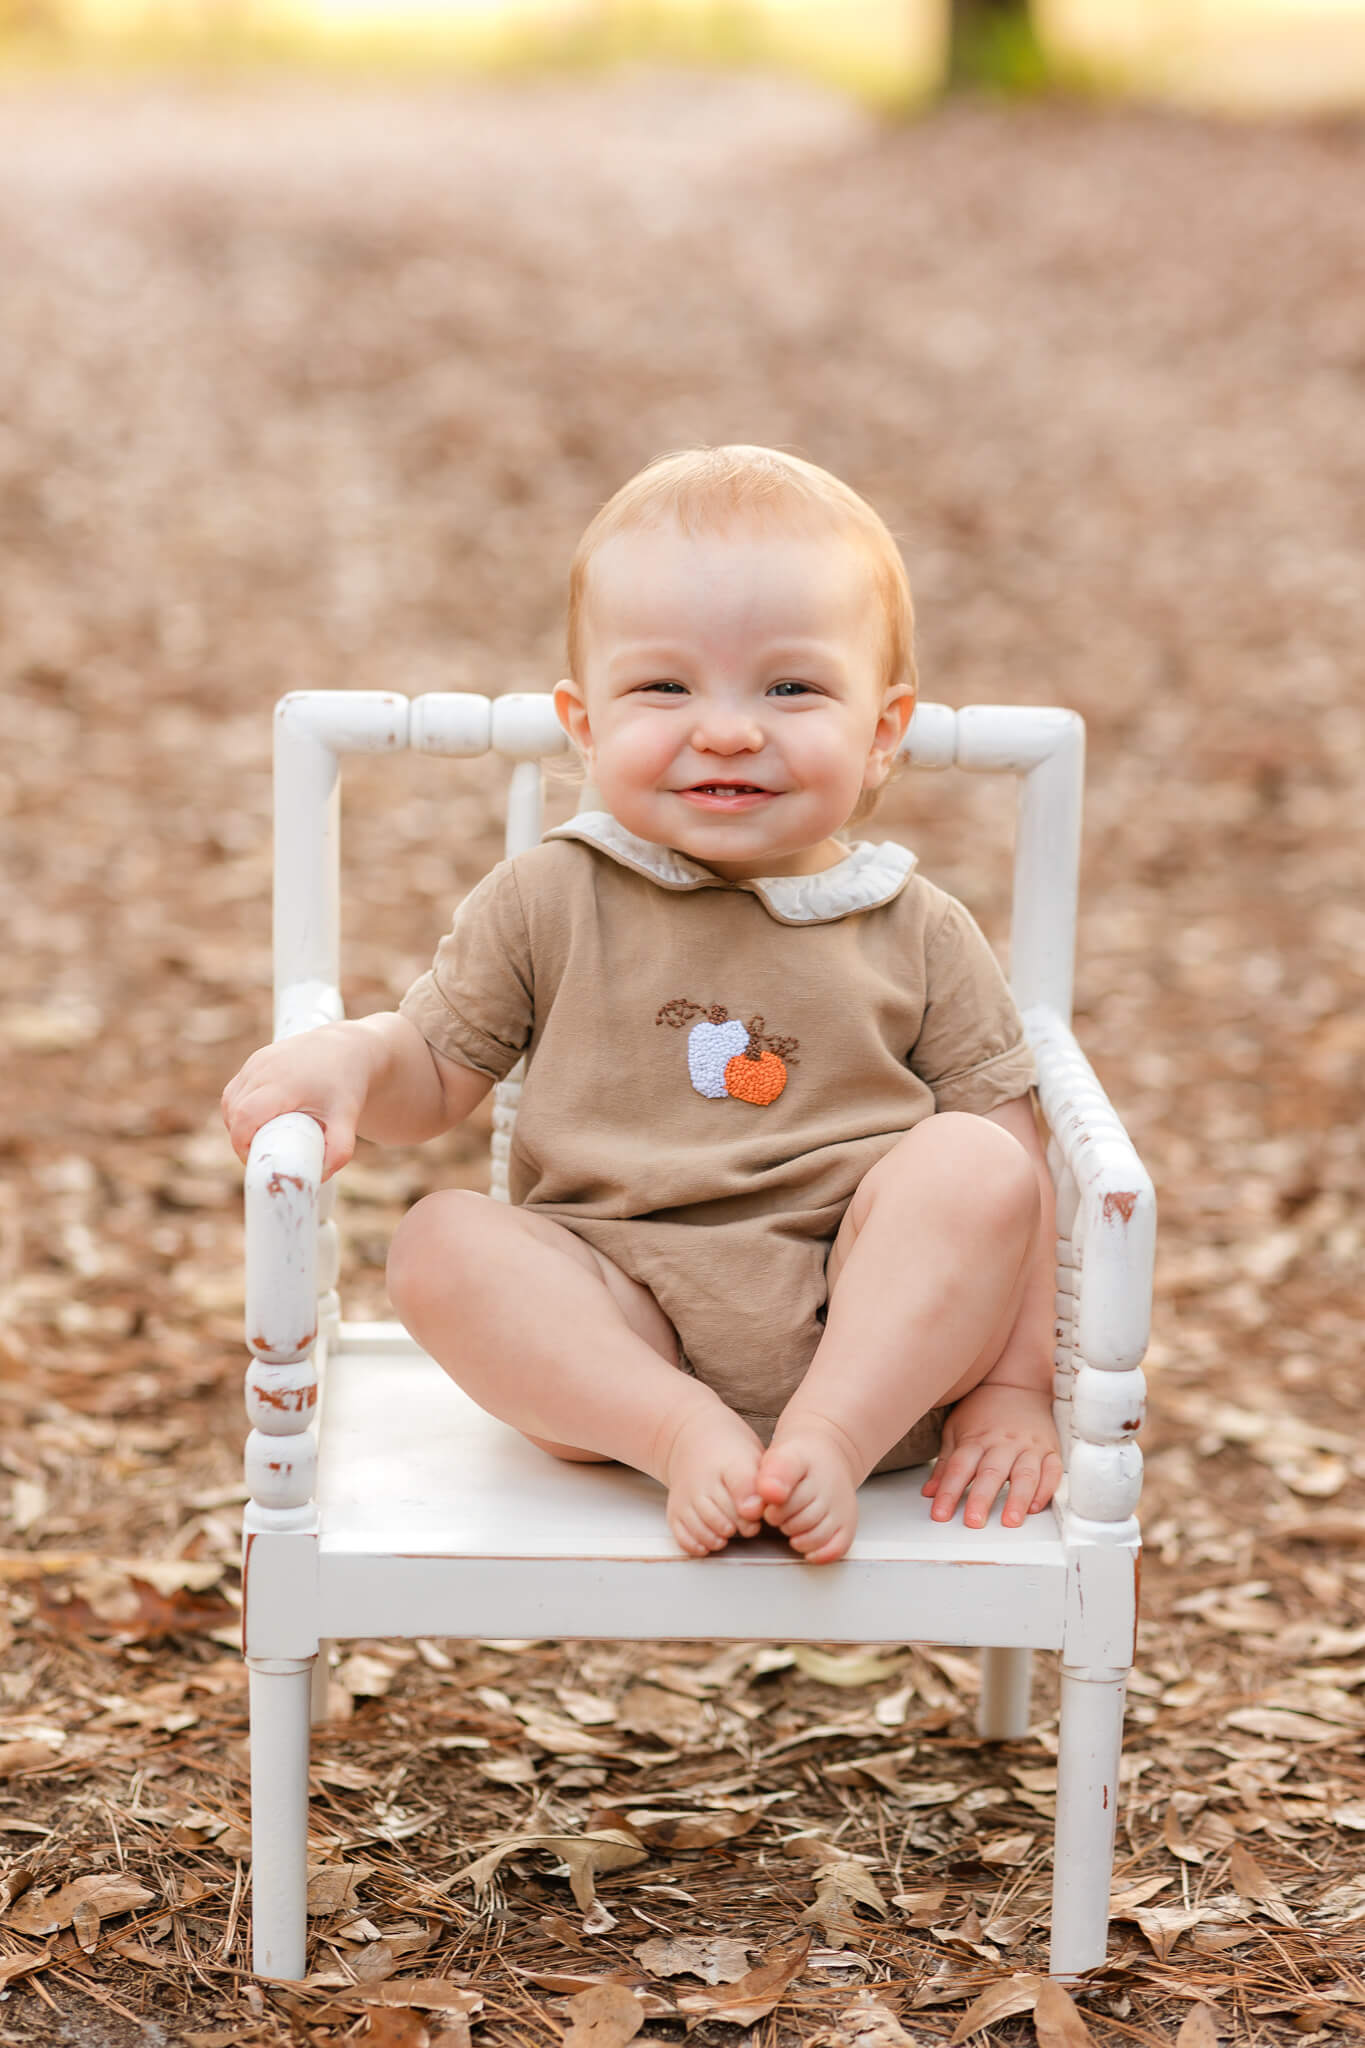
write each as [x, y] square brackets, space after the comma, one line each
[584, 1855]
[378, 355]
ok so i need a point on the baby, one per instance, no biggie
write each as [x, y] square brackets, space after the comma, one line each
[780, 1213]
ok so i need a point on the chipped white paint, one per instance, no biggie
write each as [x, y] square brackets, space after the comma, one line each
[394, 1505]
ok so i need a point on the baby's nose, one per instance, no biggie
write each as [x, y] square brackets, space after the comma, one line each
[727, 732]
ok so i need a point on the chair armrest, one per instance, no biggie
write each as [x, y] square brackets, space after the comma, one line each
[283, 1178]
[1116, 1223]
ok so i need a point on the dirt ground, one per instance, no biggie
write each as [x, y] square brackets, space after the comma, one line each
[310, 386]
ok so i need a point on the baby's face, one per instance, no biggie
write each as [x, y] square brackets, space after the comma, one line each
[731, 704]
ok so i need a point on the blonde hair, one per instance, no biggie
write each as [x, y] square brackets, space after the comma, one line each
[704, 489]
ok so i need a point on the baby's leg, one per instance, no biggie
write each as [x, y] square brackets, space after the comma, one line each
[925, 1279]
[547, 1334]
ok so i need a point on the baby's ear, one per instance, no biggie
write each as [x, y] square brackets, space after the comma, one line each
[572, 713]
[897, 712]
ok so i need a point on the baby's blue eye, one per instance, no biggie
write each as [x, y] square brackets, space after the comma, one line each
[790, 686]
[664, 685]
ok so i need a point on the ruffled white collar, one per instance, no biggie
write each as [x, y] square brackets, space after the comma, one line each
[871, 874]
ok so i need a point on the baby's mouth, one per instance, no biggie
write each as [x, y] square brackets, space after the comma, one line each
[725, 789]
[725, 796]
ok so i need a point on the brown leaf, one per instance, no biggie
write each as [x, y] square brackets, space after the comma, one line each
[1008, 1849]
[22, 1875]
[1283, 1724]
[1056, 2020]
[332, 1889]
[606, 2016]
[136, 1602]
[1173, 1834]
[138, 1952]
[85, 1924]
[104, 1895]
[587, 1708]
[1164, 1925]
[451, 2030]
[27, 1755]
[397, 2030]
[752, 1997]
[585, 1855]
[1198, 2029]
[866, 2023]
[1249, 1881]
[652, 2004]
[19, 1966]
[427, 1994]
[998, 2002]
[882, 1768]
[921, 1909]
[368, 1673]
[715, 1958]
[839, 1888]
[668, 1716]
[1123, 1901]
[689, 1830]
[373, 1963]
[813, 1849]
[853, 1668]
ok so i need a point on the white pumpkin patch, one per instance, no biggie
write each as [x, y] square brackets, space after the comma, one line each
[710, 1048]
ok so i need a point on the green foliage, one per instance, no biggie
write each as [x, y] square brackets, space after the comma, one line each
[996, 48]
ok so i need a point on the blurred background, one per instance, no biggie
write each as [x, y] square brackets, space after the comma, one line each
[325, 328]
[1252, 55]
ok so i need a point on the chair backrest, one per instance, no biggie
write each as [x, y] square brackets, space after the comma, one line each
[1043, 747]
[1105, 1204]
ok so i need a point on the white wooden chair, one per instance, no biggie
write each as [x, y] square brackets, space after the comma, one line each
[383, 1502]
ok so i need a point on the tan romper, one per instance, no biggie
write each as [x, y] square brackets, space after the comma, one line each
[712, 1067]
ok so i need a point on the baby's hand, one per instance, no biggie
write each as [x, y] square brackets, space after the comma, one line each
[996, 1437]
[325, 1072]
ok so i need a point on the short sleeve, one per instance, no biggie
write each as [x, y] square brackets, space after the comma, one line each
[971, 1050]
[476, 1003]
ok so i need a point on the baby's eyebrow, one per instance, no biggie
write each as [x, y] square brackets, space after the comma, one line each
[654, 654]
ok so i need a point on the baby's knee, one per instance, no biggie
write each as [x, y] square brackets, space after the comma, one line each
[970, 1159]
[439, 1234]
[993, 1165]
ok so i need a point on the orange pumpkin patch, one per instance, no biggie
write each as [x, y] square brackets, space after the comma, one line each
[761, 1080]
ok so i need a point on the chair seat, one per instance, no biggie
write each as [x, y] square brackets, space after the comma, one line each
[431, 1513]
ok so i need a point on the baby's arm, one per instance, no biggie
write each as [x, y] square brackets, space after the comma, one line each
[1001, 1433]
[375, 1077]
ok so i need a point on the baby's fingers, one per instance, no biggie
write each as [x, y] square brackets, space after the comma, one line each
[991, 1474]
[1024, 1477]
[1049, 1479]
[949, 1480]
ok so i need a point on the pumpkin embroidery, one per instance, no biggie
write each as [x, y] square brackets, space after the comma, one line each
[725, 1057]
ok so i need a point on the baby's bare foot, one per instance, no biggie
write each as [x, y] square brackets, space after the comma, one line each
[709, 1470]
[810, 1484]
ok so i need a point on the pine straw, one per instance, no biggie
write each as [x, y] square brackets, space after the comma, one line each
[376, 357]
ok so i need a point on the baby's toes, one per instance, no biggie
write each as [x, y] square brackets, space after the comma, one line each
[796, 1511]
[824, 1544]
[743, 1507]
[779, 1472]
[691, 1533]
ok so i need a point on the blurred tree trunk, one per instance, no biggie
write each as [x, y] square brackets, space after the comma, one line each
[979, 32]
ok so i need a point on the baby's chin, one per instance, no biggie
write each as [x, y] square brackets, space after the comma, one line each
[767, 862]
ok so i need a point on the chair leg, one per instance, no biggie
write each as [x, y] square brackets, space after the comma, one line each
[1002, 1715]
[317, 1704]
[1090, 1738]
[279, 1696]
